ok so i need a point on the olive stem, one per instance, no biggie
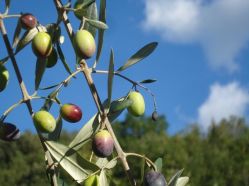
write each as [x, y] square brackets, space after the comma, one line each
[11, 16]
[87, 74]
[131, 81]
[142, 156]
[26, 96]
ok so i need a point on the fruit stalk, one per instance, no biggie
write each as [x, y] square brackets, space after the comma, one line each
[87, 74]
[26, 97]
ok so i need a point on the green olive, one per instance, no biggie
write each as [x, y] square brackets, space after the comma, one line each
[92, 181]
[4, 77]
[44, 121]
[137, 107]
[42, 44]
[84, 44]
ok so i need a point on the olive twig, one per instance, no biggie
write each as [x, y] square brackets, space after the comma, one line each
[11, 16]
[142, 156]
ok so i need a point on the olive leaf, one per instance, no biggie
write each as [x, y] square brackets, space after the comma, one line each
[103, 179]
[110, 78]
[119, 105]
[173, 180]
[55, 135]
[182, 181]
[97, 24]
[104, 163]
[85, 133]
[78, 167]
[7, 6]
[39, 71]
[85, 4]
[4, 60]
[102, 17]
[159, 164]
[62, 58]
[49, 87]
[54, 31]
[139, 55]
[18, 30]
[142, 167]
[148, 81]
[26, 39]
[92, 14]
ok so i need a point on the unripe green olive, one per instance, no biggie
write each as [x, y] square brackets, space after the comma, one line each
[80, 12]
[102, 144]
[52, 59]
[153, 178]
[9, 132]
[71, 113]
[92, 181]
[28, 21]
[137, 108]
[4, 77]
[84, 44]
[44, 121]
[42, 44]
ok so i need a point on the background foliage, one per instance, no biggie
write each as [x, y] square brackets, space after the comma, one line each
[216, 158]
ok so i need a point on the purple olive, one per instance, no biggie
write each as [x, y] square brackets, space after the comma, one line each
[102, 144]
[28, 21]
[71, 113]
[153, 178]
[9, 132]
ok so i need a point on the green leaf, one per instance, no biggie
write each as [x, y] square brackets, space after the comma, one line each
[63, 59]
[39, 71]
[7, 6]
[55, 135]
[4, 60]
[86, 3]
[182, 181]
[110, 78]
[102, 17]
[120, 105]
[92, 14]
[49, 87]
[104, 163]
[148, 81]
[54, 31]
[142, 170]
[139, 55]
[103, 179]
[26, 39]
[85, 133]
[173, 180]
[159, 164]
[16, 38]
[78, 167]
[97, 24]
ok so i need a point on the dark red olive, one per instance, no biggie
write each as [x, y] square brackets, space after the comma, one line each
[28, 21]
[153, 178]
[102, 144]
[154, 116]
[9, 132]
[71, 113]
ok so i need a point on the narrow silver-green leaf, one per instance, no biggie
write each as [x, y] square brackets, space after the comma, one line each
[7, 6]
[119, 105]
[110, 78]
[16, 38]
[26, 39]
[85, 4]
[148, 81]
[92, 14]
[49, 87]
[182, 181]
[139, 55]
[4, 60]
[102, 17]
[97, 24]
[62, 58]
[103, 179]
[173, 180]
[78, 167]
[142, 170]
[39, 71]
[159, 164]
[48, 103]
[85, 133]
[104, 163]
[55, 135]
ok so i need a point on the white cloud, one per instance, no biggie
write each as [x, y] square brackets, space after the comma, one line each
[223, 101]
[221, 27]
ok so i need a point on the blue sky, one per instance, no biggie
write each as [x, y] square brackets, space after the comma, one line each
[201, 62]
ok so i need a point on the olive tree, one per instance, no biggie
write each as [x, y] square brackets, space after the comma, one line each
[46, 41]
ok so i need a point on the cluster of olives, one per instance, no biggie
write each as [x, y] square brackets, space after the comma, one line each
[45, 122]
